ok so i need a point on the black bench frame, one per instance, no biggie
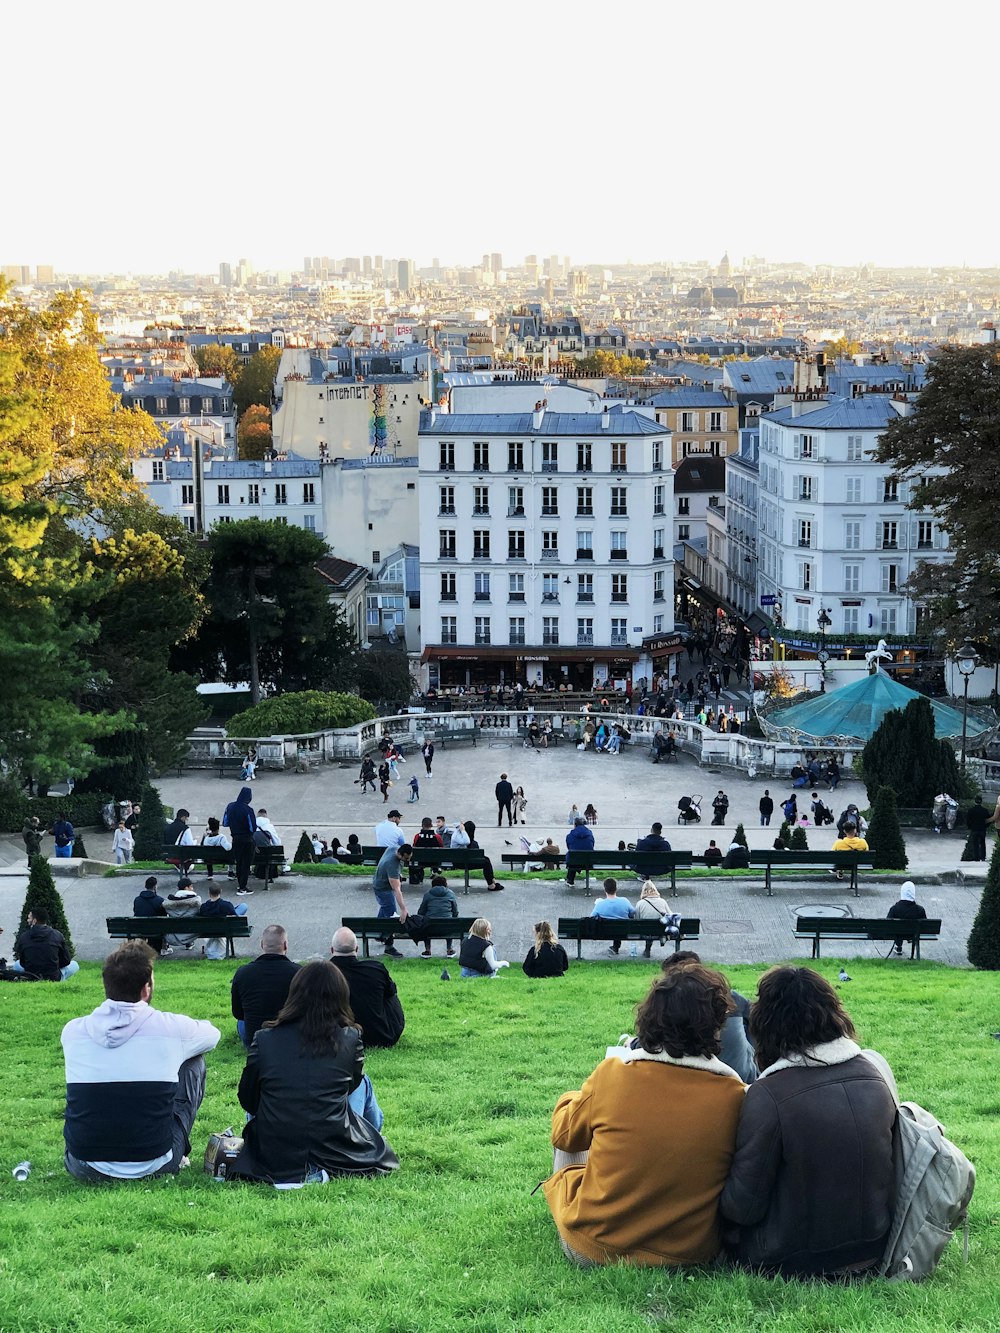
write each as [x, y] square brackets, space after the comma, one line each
[435, 928]
[649, 864]
[598, 928]
[229, 928]
[227, 763]
[196, 855]
[831, 860]
[876, 929]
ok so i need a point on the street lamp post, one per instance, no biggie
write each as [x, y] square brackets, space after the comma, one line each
[967, 659]
[824, 622]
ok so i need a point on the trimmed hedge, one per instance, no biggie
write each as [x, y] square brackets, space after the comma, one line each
[83, 808]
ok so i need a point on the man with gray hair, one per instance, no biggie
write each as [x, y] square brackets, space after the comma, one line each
[260, 988]
[374, 997]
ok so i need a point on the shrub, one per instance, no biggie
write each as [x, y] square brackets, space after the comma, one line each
[293, 714]
[304, 851]
[79, 848]
[740, 836]
[82, 808]
[785, 834]
[967, 850]
[799, 842]
[42, 893]
[149, 834]
[885, 839]
[984, 938]
[903, 753]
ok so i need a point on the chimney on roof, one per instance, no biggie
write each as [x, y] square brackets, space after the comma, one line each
[538, 415]
[605, 420]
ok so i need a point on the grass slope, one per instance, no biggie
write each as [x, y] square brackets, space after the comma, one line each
[455, 1239]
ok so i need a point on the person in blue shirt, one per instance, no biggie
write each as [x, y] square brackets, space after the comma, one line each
[578, 839]
[241, 821]
[218, 906]
[613, 908]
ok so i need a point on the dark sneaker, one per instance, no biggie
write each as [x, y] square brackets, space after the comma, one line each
[392, 953]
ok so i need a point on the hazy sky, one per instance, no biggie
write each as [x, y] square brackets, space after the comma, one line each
[153, 138]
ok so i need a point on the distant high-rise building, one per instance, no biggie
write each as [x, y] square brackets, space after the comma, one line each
[366, 266]
[352, 266]
[487, 265]
[436, 264]
[530, 261]
[404, 271]
[496, 262]
[45, 273]
[12, 272]
[225, 275]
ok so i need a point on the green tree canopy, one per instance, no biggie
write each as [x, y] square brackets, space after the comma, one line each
[306, 710]
[948, 448]
[255, 383]
[269, 618]
[214, 359]
[903, 753]
[381, 674]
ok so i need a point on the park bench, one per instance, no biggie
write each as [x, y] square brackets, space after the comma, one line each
[651, 865]
[267, 862]
[519, 860]
[229, 928]
[455, 736]
[228, 763]
[818, 860]
[376, 927]
[554, 737]
[597, 928]
[211, 858]
[910, 932]
[447, 858]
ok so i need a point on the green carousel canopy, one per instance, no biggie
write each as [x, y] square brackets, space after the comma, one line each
[850, 715]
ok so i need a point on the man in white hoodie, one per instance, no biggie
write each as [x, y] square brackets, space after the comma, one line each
[135, 1078]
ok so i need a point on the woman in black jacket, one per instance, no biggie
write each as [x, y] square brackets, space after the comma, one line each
[300, 1072]
[811, 1184]
[546, 957]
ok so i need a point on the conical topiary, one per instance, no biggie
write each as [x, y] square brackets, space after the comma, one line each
[42, 893]
[984, 938]
[149, 834]
[78, 846]
[967, 850]
[785, 834]
[740, 836]
[885, 838]
[799, 842]
[304, 851]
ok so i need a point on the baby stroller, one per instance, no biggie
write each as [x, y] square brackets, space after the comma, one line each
[689, 810]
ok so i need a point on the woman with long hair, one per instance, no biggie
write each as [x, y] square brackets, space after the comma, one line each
[297, 1085]
[546, 957]
[643, 1149]
[476, 955]
[811, 1185]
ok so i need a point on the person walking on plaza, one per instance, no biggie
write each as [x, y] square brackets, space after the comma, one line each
[428, 754]
[367, 774]
[64, 835]
[32, 835]
[766, 808]
[721, 807]
[241, 821]
[122, 844]
[414, 785]
[504, 792]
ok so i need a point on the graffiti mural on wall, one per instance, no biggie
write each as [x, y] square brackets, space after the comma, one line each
[380, 437]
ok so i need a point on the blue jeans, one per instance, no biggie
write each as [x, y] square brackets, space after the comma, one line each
[387, 907]
[70, 970]
[362, 1102]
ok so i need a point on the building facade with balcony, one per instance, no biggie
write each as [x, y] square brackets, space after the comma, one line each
[545, 546]
[833, 528]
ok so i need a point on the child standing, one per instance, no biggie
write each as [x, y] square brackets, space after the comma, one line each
[414, 789]
[123, 844]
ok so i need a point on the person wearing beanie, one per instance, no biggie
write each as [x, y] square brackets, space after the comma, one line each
[906, 909]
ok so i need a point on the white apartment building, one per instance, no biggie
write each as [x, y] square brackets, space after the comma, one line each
[202, 490]
[833, 528]
[545, 546]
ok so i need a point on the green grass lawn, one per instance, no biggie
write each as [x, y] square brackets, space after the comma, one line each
[455, 1239]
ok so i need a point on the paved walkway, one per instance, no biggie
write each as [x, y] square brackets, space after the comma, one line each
[739, 922]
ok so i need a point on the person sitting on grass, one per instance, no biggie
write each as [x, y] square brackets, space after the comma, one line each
[438, 904]
[477, 956]
[546, 957]
[313, 1110]
[736, 1047]
[612, 908]
[617, 1193]
[42, 953]
[374, 997]
[135, 1077]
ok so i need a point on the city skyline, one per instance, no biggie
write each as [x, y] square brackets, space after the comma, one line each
[790, 138]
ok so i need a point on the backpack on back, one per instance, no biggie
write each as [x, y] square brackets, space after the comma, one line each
[934, 1184]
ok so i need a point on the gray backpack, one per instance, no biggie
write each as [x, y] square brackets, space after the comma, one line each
[934, 1184]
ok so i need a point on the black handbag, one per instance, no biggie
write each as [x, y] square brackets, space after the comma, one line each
[414, 926]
